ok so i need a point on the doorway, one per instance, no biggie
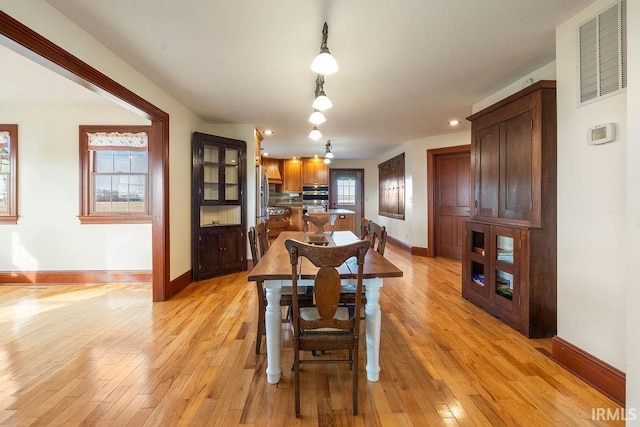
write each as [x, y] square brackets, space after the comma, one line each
[347, 192]
[449, 195]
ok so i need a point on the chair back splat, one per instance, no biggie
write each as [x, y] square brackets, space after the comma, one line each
[327, 325]
[313, 223]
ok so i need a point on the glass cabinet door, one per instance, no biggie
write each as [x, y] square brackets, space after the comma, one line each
[231, 174]
[505, 282]
[211, 171]
[477, 259]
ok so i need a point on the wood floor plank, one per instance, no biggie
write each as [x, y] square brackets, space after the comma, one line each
[106, 355]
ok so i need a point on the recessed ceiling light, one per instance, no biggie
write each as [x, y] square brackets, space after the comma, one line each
[454, 122]
[268, 132]
[265, 154]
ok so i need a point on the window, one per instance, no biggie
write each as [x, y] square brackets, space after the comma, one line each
[114, 170]
[8, 174]
[391, 187]
[347, 189]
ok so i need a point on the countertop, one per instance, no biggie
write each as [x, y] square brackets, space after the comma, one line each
[333, 211]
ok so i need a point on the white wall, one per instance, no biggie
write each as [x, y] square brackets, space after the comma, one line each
[633, 211]
[49, 235]
[413, 229]
[592, 190]
[548, 72]
[45, 20]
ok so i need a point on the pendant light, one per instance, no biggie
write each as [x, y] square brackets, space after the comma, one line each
[315, 134]
[324, 63]
[317, 118]
[328, 154]
[322, 101]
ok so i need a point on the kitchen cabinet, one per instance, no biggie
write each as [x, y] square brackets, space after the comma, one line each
[315, 171]
[276, 224]
[217, 206]
[510, 258]
[295, 220]
[272, 167]
[292, 182]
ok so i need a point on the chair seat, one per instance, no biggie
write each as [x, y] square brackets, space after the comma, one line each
[302, 290]
[311, 313]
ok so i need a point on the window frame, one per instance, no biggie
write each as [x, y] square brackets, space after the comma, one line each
[11, 217]
[86, 216]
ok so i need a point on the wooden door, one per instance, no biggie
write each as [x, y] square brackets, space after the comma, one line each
[452, 204]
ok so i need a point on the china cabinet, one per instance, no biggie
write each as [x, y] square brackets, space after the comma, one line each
[509, 257]
[218, 205]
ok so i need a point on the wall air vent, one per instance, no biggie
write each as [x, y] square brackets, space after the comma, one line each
[602, 50]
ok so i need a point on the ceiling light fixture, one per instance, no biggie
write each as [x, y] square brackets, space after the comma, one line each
[328, 154]
[317, 118]
[324, 63]
[326, 161]
[268, 132]
[454, 122]
[315, 134]
[322, 101]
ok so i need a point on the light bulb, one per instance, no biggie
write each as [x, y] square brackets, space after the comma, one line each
[327, 161]
[328, 155]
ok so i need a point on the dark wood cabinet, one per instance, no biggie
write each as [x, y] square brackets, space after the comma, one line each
[509, 258]
[218, 206]
[513, 157]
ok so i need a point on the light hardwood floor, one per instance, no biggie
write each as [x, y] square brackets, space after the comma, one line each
[107, 355]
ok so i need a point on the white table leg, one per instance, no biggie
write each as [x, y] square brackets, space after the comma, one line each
[373, 318]
[272, 320]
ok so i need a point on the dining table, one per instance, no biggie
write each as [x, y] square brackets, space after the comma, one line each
[274, 271]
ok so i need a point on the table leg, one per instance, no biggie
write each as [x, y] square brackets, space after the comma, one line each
[273, 320]
[373, 318]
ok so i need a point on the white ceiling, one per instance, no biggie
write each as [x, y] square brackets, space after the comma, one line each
[406, 67]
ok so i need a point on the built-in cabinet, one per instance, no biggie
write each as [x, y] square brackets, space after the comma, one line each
[509, 257]
[292, 181]
[217, 205]
[315, 171]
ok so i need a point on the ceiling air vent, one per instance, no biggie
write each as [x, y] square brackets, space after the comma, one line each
[602, 64]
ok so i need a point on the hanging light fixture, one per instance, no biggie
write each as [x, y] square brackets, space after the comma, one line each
[328, 154]
[324, 63]
[315, 134]
[326, 161]
[317, 118]
[322, 101]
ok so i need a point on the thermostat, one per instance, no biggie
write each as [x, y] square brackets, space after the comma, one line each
[601, 134]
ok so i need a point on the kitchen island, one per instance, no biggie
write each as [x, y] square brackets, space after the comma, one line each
[345, 219]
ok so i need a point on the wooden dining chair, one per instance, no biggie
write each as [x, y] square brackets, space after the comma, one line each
[313, 223]
[259, 244]
[364, 228]
[378, 236]
[327, 325]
